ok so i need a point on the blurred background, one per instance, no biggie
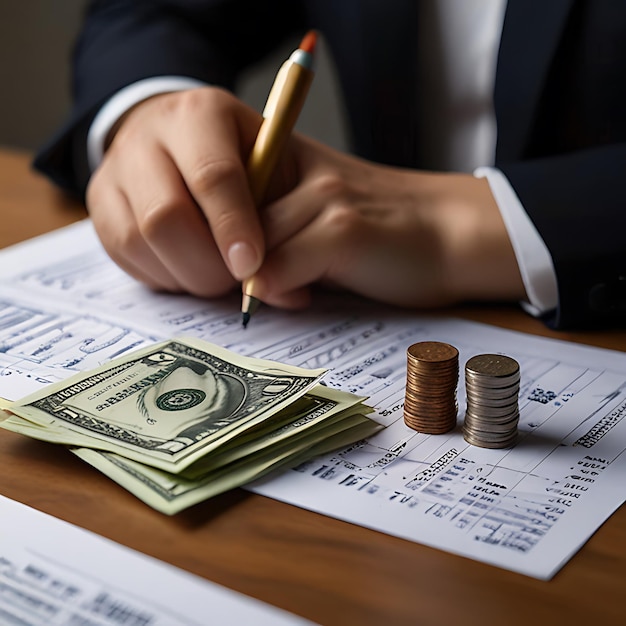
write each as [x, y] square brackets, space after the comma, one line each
[36, 38]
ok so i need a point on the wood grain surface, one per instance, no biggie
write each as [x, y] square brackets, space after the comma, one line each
[326, 570]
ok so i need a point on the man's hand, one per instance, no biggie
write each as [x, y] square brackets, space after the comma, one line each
[399, 236]
[170, 201]
[172, 206]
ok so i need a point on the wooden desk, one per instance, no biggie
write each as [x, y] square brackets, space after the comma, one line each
[326, 570]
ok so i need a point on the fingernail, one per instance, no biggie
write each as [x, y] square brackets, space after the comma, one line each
[243, 260]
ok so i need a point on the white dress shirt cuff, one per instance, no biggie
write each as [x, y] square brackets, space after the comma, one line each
[533, 257]
[124, 100]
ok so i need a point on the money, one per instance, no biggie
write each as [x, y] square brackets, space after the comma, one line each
[170, 493]
[430, 404]
[191, 414]
[492, 389]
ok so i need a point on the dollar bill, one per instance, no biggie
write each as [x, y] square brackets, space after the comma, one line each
[185, 420]
[306, 419]
[165, 406]
[313, 417]
[172, 493]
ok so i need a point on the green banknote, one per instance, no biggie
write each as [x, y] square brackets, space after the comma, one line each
[185, 420]
[171, 493]
[166, 405]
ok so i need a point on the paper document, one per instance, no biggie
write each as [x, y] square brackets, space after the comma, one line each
[65, 307]
[53, 573]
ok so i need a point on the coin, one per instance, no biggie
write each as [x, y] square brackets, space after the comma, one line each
[433, 351]
[492, 384]
[498, 368]
[430, 404]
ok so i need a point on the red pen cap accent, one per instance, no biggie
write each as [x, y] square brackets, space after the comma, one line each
[308, 42]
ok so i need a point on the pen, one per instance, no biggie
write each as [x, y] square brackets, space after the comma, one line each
[281, 111]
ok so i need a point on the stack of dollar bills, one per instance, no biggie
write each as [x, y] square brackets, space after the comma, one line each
[185, 420]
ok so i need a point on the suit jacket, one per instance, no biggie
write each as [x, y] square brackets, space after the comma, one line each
[559, 99]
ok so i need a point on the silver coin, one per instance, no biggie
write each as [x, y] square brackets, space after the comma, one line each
[493, 365]
[489, 444]
[484, 400]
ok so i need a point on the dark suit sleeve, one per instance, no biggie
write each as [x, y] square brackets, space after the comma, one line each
[559, 95]
[124, 41]
[578, 204]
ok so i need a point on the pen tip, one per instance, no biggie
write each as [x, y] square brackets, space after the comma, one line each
[309, 41]
[245, 318]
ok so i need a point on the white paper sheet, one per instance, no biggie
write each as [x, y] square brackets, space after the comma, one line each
[53, 573]
[64, 307]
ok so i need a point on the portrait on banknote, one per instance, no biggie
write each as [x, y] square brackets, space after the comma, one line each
[173, 396]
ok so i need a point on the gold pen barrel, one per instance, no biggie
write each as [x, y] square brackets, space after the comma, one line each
[276, 129]
[281, 112]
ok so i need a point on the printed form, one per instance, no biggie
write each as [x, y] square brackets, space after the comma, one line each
[65, 307]
[54, 573]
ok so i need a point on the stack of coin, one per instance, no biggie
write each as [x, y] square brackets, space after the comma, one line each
[432, 375]
[492, 388]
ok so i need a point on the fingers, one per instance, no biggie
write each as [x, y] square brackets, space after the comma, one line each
[175, 229]
[117, 229]
[172, 205]
[326, 250]
[171, 202]
[318, 187]
[292, 213]
[354, 226]
[208, 154]
[404, 238]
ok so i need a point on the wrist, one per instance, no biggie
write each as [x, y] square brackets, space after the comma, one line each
[478, 260]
